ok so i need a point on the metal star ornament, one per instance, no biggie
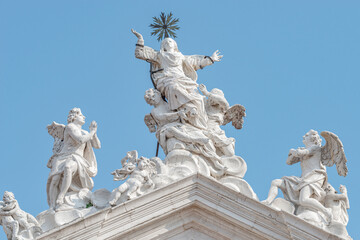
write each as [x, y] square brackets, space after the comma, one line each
[164, 26]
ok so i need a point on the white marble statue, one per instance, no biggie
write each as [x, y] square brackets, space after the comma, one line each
[187, 124]
[308, 192]
[339, 204]
[173, 132]
[138, 172]
[17, 224]
[176, 77]
[217, 108]
[73, 163]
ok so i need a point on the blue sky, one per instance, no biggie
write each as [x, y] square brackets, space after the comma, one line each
[293, 65]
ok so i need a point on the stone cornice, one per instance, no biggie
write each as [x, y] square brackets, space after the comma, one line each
[196, 203]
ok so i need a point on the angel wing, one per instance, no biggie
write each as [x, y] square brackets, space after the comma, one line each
[236, 115]
[56, 130]
[150, 123]
[333, 152]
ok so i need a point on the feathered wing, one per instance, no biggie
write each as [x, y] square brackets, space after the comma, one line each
[235, 114]
[150, 122]
[333, 152]
[56, 130]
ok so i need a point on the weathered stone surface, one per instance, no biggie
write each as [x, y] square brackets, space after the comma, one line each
[196, 207]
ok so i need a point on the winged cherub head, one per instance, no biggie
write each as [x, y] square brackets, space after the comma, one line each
[312, 138]
[152, 97]
[76, 116]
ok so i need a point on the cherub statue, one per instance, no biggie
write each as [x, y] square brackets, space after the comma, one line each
[139, 176]
[175, 76]
[73, 163]
[15, 220]
[308, 190]
[339, 204]
[219, 113]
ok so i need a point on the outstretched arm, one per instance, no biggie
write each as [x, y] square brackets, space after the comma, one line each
[143, 52]
[200, 61]
[204, 90]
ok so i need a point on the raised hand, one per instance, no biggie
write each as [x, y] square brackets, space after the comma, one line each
[202, 87]
[93, 126]
[216, 56]
[343, 189]
[138, 35]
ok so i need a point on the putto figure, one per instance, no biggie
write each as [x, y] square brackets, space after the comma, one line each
[307, 193]
[73, 163]
[339, 204]
[17, 224]
[139, 171]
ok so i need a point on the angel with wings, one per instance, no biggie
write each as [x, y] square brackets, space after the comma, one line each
[73, 163]
[309, 190]
[220, 113]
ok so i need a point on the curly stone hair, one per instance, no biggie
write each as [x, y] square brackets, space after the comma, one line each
[72, 114]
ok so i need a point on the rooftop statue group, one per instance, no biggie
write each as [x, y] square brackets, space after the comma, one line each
[310, 196]
[187, 125]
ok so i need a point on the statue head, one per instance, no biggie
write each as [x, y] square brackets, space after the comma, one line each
[330, 189]
[312, 138]
[152, 97]
[217, 97]
[8, 197]
[145, 163]
[169, 45]
[76, 116]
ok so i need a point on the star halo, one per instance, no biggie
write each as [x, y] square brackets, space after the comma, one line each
[164, 26]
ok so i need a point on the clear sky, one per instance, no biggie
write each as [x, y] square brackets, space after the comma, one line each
[294, 65]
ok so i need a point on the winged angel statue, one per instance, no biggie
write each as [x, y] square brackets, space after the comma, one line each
[308, 192]
[73, 163]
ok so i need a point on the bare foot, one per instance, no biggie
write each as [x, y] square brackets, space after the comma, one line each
[113, 202]
[60, 200]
